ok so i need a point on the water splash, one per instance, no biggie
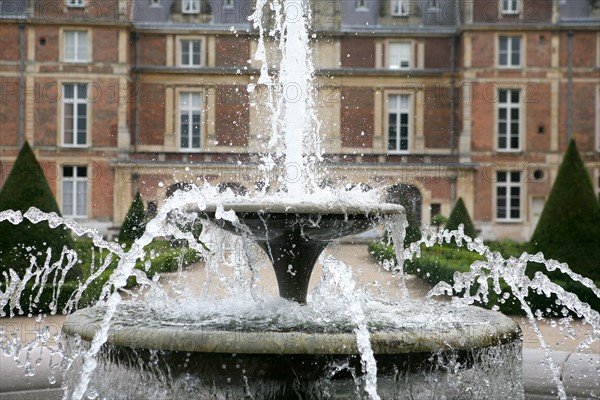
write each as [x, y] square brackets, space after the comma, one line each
[512, 271]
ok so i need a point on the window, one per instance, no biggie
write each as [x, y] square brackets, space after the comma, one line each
[508, 196]
[229, 5]
[399, 55]
[510, 6]
[75, 114]
[75, 45]
[509, 120]
[190, 6]
[400, 8]
[398, 123]
[190, 53]
[154, 3]
[190, 111]
[432, 5]
[74, 191]
[509, 51]
[75, 3]
[361, 5]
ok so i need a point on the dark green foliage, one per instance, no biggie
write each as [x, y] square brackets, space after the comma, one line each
[134, 224]
[27, 187]
[460, 215]
[439, 264]
[569, 227]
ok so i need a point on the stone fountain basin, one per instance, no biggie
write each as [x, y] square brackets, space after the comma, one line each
[140, 326]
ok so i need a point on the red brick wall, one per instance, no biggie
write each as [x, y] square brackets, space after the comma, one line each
[437, 118]
[232, 51]
[358, 52]
[584, 116]
[104, 113]
[483, 49]
[50, 50]
[152, 114]
[232, 116]
[9, 112]
[482, 117]
[537, 98]
[584, 49]
[153, 49]
[9, 42]
[539, 49]
[357, 116]
[438, 52]
[105, 42]
[101, 178]
[47, 108]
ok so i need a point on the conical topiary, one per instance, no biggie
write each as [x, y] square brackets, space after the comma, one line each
[135, 221]
[569, 227]
[26, 187]
[460, 215]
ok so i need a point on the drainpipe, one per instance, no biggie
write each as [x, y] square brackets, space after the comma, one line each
[136, 131]
[570, 87]
[453, 96]
[22, 84]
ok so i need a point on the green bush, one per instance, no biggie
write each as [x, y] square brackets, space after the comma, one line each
[26, 187]
[569, 227]
[440, 263]
[134, 225]
[460, 215]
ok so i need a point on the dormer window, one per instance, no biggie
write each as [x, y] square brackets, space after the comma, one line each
[75, 3]
[400, 8]
[190, 6]
[361, 5]
[510, 6]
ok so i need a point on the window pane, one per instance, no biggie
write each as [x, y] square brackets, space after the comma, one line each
[514, 96]
[82, 92]
[68, 172]
[184, 131]
[68, 124]
[82, 172]
[503, 44]
[81, 198]
[502, 114]
[67, 197]
[82, 46]
[501, 176]
[69, 91]
[502, 95]
[502, 128]
[515, 177]
[69, 43]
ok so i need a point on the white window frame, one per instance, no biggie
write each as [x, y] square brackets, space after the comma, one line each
[79, 192]
[403, 108]
[509, 105]
[406, 59]
[511, 182]
[509, 51]
[189, 42]
[400, 8]
[510, 6]
[76, 100]
[75, 3]
[78, 37]
[190, 6]
[190, 110]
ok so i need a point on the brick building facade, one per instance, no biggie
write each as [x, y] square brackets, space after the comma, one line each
[442, 99]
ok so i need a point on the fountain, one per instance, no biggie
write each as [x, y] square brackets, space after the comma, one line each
[336, 342]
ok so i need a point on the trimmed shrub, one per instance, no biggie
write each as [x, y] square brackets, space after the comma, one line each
[569, 227]
[27, 187]
[134, 225]
[460, 215]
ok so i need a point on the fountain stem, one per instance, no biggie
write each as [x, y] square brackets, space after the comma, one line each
[293, 260]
